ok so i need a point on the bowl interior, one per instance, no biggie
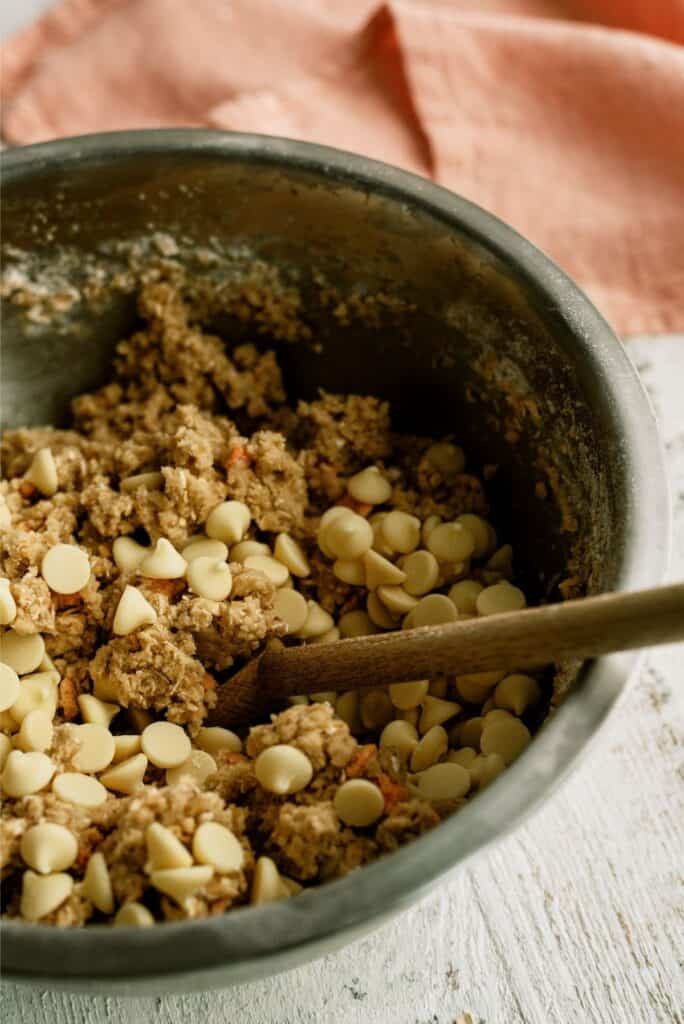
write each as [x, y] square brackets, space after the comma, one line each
[387, 300]
[396, 289]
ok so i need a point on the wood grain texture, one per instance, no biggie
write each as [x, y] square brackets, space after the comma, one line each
[526, 639]
[576, 917]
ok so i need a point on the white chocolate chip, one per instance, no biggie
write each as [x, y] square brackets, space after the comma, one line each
[448, 781]
[323, 696]
[216, 845]
[370, 486]
[348, 537]
[499, 598]
[47, 664]
[267, 884]
[436, 711]
[502, 561]
[165, 744]
[291, 554]
[213, 739]
[9, 686]
[164, 849]
[318, 622]
[375, 709]
[8, 606]
[329, 637]
[356, 623]
[496, 715]
[65, 568]
[451, 542]
[408, 695]
[180, 883]
[22, 653]
[480, 531]
[247, 548]
[380, 571]
[5, 749]
[134, 915]
[96, 711]
[205, 547]
[26, 773]
[274, 570]
[430, 749]
[422, 572]
[448, 459]
[463, 756]
[347, 708]
[128, 554]
[378, 613]
[517, 693]
[470, 731]
[208, 577]
[151, 481]
[97, 885]
[77, 788]
[36, 691]
[326, 520]
[283, 769]
[95, 747]
[506, 737]
[127, 776]
[359, 803]
[400, 736]
[352, 572]
[198, 767]
[476, 686]
[291, 607]
[163, 563]
[47, 847]
[428, 526]
[400, 531]
[126, 746]
[433, 610]
[464, 594]
[407, 622]
[36, 732]
[397, 600]
[379, 543]
[228, 522]
[42, 472]
[485, 768]
[41, 894]
[132, 612]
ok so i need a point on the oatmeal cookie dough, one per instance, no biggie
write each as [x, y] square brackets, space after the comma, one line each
[187, 517]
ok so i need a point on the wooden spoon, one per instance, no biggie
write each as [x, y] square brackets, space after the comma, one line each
[578, 629]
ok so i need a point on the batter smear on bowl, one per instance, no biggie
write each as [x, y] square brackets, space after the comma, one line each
[188, 516]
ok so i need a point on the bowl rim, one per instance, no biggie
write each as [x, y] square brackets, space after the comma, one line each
[98, 955]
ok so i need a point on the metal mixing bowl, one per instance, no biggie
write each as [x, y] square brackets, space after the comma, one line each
[482, 336]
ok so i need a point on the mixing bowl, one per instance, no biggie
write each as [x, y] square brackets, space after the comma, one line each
[398, 288]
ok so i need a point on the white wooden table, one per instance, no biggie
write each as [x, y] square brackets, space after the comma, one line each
[577, 917]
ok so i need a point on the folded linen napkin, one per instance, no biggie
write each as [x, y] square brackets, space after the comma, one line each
[571, 130]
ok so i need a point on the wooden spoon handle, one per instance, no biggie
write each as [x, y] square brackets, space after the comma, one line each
[579, 629]
[528, 639]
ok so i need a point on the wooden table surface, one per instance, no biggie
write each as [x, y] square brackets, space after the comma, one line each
[576, 917]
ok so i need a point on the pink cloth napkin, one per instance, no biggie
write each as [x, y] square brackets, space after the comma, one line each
[570, 129]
